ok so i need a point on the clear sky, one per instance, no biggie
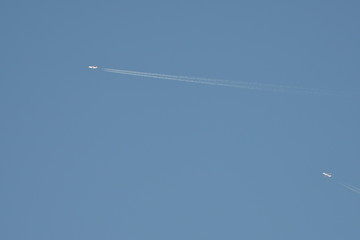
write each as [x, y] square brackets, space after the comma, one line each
[95, 155]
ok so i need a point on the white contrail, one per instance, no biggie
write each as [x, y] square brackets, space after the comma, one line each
[351, 188]
[348, 186]
[176, 78]
[200, 79]
[219, 82]
[356, 188]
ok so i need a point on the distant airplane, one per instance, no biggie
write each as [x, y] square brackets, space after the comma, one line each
[93, 67]
[327, 174]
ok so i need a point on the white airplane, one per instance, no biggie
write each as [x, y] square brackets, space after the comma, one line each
[327, 174]
[93, 67]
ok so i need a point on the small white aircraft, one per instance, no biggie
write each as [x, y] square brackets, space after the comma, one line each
[93, 67]
[327, 174]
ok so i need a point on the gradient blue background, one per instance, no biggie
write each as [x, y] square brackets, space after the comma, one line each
[94, 155]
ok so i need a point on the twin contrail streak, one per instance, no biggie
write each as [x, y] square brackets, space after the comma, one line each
[351, 188]
[219, 82]
[186, 79]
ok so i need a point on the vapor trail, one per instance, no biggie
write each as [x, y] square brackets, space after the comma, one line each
[220, 82]
[355, 190]
[200, 79]
[178, 78]
[352, 186]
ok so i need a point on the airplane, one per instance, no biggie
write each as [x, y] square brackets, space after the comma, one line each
[93, 67]
[327, 174]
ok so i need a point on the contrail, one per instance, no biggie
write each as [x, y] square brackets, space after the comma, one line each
[220, 82]
[200, 79]
[351, 188]
[344, 184]
[179, 78]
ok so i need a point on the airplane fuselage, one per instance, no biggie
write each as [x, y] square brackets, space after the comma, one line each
[327, 174]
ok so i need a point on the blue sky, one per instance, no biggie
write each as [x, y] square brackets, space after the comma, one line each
[95, 155]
